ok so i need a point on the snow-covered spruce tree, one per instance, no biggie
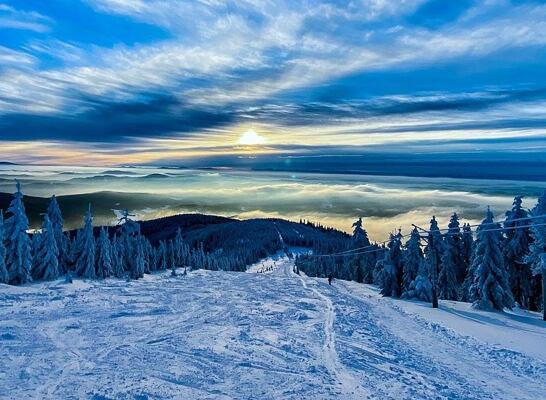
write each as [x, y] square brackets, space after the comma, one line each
[361, 264]
[468, 250]
[138, 266]
[73, 248]
[515, 248]
[455, 240]
[85, 261]
[18, 249]
[34, 247]
[171, 256]
[451, 265]
[103, 255]
[391, 276]
[181, 250]
[490, 288]
[57, 222]
[46, 259]
[148, 255]
[537, 250]
[117, 258]
[412, 260]
[421, 287]
[4, 277]
[161, 256]
[433, 256]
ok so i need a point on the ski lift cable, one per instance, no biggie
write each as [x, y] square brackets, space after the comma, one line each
[357, 251]
[448, 233]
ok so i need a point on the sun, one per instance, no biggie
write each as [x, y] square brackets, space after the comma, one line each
[251, 138]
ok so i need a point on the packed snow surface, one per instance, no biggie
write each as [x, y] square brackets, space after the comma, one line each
[275, 335]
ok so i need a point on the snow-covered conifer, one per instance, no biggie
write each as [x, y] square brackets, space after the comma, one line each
[34, 247]
[515, 248]
[103, 257]
[391, 276]
[537, 250]
[421, 287]
[452, 266]
[490, 288]
[116, 259]
[18, 248]
[4, 277]
[180, 249]
[468, 250]
[137, 270]
[412, 259]
[433, 253]
[361, 264]
[161, 256]
[46, 259]
[85, 261]
[57, 222]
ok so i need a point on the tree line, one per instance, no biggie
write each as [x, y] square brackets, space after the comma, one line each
[52, 252]
[494, 267]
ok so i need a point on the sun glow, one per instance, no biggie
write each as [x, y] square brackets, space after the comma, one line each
[251, 138]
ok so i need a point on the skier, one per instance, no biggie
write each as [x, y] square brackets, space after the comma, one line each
[330, 279]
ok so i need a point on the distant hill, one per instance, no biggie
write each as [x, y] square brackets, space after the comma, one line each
[74, 206]
[249, 240]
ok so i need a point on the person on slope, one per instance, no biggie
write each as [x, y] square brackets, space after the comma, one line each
[330, 279]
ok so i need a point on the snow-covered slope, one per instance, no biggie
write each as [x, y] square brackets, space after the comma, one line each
[257, 336]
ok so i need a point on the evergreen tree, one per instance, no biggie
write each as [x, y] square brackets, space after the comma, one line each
[117, 260]
[85, 259]
[46, 261]
[73, 248]
[61, 240]
[515, 248]
[537, 250]
[34, 247]
[180, 250]
[361, 265]
[391, 276]
[161, 257]
[433, 255]
[421, 287]
[468, 249]
[490, 288]
[412, 260]
[18, 249]
[103, 258]
[4, 277]
[452, 268]
[148, 256]
[171, 256]
[137, 270]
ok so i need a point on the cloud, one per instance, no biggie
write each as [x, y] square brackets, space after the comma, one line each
[10, 58]
[11, 18]
[291, 55]
[231, 63]
[106, 121]
[386, 203]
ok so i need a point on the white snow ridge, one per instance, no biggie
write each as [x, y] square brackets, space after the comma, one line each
[274, 335]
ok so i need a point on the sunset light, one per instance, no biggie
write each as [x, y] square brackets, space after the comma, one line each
[251, 138]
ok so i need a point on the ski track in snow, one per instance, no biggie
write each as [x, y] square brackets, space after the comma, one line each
[221, 335]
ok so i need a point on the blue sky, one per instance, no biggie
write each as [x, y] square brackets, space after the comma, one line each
[159, 81]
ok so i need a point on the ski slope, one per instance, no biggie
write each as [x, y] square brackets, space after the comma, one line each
[274, 335]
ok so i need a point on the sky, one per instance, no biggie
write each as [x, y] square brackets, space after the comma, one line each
[117, 82]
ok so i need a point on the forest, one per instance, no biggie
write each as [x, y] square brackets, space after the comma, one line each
[494, 265]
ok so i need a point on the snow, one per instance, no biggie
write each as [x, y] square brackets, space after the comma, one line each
[228, 335]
